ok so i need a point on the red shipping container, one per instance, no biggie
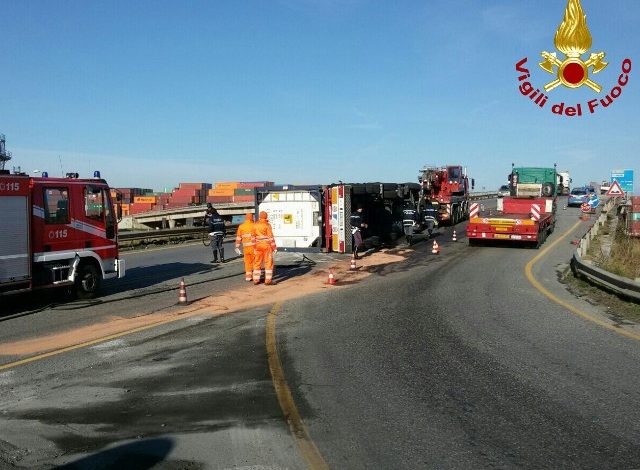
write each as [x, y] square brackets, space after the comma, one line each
[185, 192]
[139, 208]
[635, 200]
[195, 185]
[634, 229]
[219, 199]
[243, 199]
[181, 201]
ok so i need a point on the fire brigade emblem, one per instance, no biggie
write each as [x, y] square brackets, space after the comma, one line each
[573, 39]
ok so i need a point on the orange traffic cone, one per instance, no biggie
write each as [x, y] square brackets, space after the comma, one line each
[353, 264]
[332, 280]
[436, 248]
[454, 237]
[182, 297]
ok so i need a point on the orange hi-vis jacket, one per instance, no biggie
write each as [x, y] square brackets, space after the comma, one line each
[244, 236]
[263, 235]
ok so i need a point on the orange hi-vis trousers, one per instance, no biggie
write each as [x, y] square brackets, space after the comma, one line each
[263, 251]
[244, 236]
[249, 256]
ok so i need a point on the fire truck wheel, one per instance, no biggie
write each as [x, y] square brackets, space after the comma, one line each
[88, 281]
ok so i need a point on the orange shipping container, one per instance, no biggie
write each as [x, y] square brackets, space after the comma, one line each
[145, 199]
[220, 192]
[226, 185]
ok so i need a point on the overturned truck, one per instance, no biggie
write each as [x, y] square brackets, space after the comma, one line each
[316, 218]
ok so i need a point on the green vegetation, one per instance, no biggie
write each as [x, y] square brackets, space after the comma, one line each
[624, 259]
[619, 310]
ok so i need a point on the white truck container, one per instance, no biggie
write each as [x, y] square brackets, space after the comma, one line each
[564, 183]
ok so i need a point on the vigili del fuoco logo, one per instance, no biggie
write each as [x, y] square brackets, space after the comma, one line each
[573, 40]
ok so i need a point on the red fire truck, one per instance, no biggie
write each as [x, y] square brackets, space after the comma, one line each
[445, 189]
[57, 232]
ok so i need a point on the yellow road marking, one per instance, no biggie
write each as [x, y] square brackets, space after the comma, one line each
[307, 447]
[568, 306]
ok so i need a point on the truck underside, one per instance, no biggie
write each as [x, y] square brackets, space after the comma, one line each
[517, 228]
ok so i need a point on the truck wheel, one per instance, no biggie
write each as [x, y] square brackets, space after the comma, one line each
[547, 189]
[88, 281]
[542, 236]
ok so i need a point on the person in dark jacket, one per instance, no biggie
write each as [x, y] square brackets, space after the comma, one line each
[410, 220]
[217, 231]
[357, 224]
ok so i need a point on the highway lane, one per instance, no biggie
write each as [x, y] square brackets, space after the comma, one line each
[448, 362]
[150, 286]
[463, 366]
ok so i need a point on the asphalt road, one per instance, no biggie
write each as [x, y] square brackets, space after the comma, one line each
[453, 361]
[463, 365]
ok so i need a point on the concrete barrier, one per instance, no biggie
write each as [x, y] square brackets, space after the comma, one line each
[586, 269]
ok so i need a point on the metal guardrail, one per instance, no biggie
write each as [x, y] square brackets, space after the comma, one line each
[482, 195]
[620, 285]
[156, 237]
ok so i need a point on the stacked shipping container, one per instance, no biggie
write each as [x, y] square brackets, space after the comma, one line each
[234, 191]
[139, 200]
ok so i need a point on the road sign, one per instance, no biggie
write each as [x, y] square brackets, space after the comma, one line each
[624, 179]
[585, 207]
[615, 190]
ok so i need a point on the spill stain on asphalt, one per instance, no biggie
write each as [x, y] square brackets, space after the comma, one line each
[212, 381]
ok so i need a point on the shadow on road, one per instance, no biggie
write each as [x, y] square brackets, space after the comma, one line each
[148, 276]
[141, 455]
[289, 272]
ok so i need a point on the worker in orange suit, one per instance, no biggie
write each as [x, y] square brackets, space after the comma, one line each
[264, 248]
[244, 237]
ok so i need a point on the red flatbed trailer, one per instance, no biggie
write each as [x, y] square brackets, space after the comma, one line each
[519, 220]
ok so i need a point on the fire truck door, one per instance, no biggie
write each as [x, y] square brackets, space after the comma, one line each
[96, 221]
[56, 234]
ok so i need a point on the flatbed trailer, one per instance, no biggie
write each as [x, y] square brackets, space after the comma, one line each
[517, 220]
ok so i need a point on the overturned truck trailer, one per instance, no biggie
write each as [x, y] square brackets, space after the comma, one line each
[316, 218]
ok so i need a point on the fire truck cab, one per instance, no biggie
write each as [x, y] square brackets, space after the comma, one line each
[57, 232]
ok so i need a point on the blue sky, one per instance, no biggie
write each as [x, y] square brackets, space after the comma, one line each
[153, 93]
